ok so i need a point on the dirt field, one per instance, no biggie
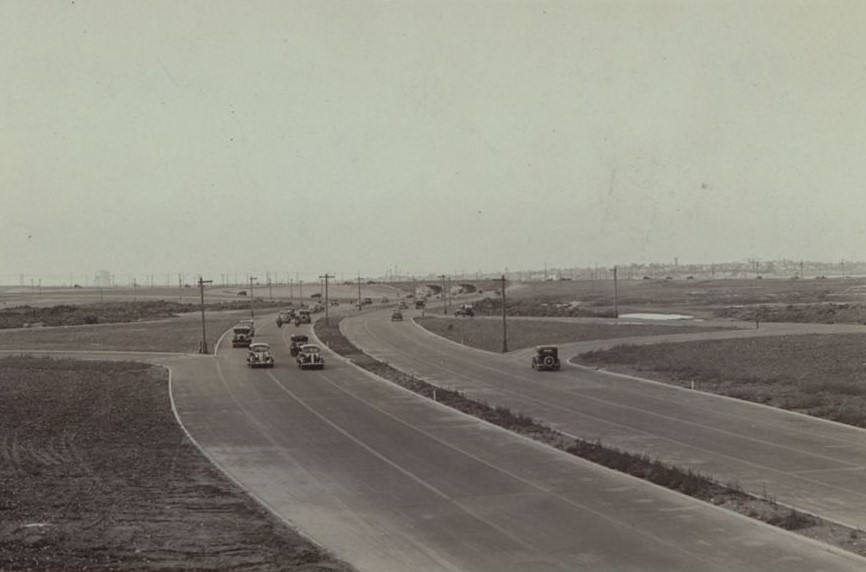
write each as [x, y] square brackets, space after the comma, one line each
[95, 474]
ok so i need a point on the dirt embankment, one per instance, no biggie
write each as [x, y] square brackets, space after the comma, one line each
[96, 474]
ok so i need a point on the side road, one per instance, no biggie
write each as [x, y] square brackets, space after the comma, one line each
[804, 462]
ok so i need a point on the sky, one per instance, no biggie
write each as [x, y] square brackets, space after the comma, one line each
[427, 136]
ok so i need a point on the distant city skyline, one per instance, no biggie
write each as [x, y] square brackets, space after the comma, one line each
[628, 271]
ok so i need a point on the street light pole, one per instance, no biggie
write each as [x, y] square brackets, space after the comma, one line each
[201, 283]
[615, 295]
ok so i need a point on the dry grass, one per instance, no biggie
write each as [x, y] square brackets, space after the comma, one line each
[171, 335]
[820, 375]
[486, 334]
[111, 312]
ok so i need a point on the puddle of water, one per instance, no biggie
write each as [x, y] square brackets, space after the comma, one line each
[651, 316]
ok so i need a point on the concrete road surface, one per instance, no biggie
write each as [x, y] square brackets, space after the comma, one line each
[392, 482]
[801, 461]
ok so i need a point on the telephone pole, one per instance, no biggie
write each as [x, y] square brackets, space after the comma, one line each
[615, 296]
[201, 283]
[444, 296]
[325, 277]
[252, 297]
[504, 326]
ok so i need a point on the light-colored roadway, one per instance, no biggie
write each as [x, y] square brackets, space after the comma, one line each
[801, 461]
[393, 482]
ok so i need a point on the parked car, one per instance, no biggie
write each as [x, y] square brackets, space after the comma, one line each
[309, 357]
[397, 316]
[295, 343]
[241, 336]
[260, 355]
[546, 358]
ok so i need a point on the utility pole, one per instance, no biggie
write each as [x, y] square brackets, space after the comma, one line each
[360, 305]
[325, 277]
[615, 296]
[252, 297]
[504, 326]
[444, 296]
[270, 291]
[201, 283]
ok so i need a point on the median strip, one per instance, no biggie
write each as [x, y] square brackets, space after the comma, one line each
[691, 483]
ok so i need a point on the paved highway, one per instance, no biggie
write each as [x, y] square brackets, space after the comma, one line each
[801, 461]
[392, 482]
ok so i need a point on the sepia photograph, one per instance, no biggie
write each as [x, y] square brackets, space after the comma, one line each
[432, 286]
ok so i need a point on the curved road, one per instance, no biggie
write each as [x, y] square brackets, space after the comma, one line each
[390, 481]
[801, 461]
[393, 482]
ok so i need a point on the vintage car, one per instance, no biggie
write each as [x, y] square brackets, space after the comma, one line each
[251, 324]
[296, 341]
[465, 311]
[546, 358]
[303, 316]
[404, 305]
[260, 355]
[419, 304]
[241, 336]
[309, 357]
[397, 316]
[285, 317]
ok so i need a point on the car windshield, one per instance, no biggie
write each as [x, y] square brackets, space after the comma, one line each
[310, 349]
[259, 347]
[241, 330]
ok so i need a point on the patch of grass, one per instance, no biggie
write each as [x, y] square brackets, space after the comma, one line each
[111, 312]
[181, 334]
[97, 475]
[687, 482]
[486, 334]
[820, 375]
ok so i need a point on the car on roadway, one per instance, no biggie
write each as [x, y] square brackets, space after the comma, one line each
[310, 357]
[546, 358]
[295, 343]
[304, 316]
[465, 311]
[251, 324]
[242, 336]
[397, 316]
[285, 317]
[259, 355]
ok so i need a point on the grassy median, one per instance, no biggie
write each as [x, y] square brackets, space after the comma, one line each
[685, 481]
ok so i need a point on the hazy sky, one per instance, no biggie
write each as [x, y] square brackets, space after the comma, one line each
[217, 137]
